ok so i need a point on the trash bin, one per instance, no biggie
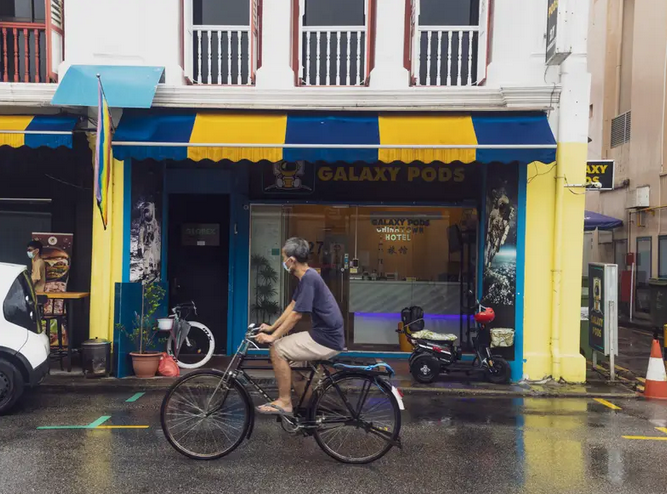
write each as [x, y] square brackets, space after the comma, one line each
[658, 301]
[96, 358]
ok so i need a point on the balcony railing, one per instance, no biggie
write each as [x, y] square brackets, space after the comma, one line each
[333, 55]
[446, 55]
[23, 51]
[222, 55]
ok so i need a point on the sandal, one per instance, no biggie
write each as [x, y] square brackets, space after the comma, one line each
[273, 410]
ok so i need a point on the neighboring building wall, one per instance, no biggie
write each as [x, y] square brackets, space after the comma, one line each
[627, 63]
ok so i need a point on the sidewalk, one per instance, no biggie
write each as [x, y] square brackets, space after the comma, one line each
[634, 343]
[457, 384]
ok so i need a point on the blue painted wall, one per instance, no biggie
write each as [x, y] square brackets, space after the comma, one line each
[517, 365]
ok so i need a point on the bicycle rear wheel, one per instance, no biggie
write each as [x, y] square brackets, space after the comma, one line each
[196, 350]
[204, 420]
[364, 436]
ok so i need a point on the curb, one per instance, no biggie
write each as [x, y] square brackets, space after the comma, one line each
[164, 383]
[520, 394]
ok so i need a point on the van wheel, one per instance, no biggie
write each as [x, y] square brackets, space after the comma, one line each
[11, 385]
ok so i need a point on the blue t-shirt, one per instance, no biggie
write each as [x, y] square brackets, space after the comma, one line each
[312, 296]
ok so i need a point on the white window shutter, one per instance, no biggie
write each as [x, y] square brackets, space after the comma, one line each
[188, 39]
[415, 40]
[483, 41]
[55, 37]
[302, 14]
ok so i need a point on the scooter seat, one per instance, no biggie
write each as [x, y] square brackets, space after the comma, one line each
[425, 334]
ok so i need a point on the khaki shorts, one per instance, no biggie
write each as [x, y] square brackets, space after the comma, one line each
[301, 347]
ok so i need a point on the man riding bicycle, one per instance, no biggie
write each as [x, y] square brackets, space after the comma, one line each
[322, 342]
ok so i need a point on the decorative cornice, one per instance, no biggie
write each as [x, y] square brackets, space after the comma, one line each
[330, 99]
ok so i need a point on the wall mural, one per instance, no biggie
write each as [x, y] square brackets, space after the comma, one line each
[146, 222]
[500, 252]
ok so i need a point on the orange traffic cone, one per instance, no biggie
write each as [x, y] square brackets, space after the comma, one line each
[656, 378]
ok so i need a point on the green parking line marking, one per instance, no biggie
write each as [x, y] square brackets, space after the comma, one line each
[134, 397]
[92, 425]
[99, 421]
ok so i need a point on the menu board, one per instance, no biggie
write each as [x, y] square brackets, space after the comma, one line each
[57, 256]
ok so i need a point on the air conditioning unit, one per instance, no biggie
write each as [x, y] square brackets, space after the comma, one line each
[605, 237]
[638, 198]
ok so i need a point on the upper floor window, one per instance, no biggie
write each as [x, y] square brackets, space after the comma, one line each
[334, 42]
[32, 11]
[446, 42]
[31, 43]
[221, 41]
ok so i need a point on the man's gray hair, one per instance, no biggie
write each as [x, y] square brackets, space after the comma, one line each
[298, 248]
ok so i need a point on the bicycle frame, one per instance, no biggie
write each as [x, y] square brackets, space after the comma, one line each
[236, 370]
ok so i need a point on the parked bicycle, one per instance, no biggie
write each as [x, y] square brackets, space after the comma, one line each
[190, 342]
[354, 412]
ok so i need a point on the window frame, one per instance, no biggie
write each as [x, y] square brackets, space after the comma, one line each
[31, 20]
[650, 253]
[298, 12]
[661, 262]
[484, 42]
[187, 41]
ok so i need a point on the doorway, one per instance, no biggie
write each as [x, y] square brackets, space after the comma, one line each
[198, 258]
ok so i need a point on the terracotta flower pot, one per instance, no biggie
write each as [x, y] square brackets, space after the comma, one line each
[145, 364]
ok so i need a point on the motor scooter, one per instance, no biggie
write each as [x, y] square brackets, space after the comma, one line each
[436, 353]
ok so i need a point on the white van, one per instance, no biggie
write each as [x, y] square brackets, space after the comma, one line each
[24, 346]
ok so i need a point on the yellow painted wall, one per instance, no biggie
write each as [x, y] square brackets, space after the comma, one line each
[107, 259]
[540, 198]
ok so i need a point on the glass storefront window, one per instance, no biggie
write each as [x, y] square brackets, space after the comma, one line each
[376, 261]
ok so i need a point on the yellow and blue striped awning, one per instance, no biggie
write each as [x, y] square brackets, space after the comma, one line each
[477, 137]
[36, 131]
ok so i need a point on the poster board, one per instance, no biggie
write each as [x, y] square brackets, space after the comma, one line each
[57, 256]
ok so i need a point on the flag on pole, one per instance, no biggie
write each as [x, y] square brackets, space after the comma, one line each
[103, 154]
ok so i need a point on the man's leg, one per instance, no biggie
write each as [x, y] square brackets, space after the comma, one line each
[284, 379]
[299, 381]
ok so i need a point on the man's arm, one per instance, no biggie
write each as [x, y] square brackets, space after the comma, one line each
[36, 274]
[288, 310]
[287, 325]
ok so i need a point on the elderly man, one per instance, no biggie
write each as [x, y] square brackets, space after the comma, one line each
[322, 342]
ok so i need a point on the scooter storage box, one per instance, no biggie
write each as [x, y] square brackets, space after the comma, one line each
[502, 337]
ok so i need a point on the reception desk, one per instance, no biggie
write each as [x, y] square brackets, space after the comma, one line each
[383, 297]
[377, 307]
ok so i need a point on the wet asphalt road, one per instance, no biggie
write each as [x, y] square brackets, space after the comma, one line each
[458, 445]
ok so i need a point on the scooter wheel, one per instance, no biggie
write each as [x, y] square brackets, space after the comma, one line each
[425, 368]
[499, 372]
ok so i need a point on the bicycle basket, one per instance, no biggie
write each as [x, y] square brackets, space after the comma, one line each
[413, 319]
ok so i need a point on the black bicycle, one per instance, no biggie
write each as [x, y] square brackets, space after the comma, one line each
[354, 412]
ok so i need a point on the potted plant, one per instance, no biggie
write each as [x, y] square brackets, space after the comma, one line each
[145, 360]
[265, 307]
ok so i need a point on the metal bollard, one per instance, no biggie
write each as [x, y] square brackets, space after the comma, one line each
[664, 342]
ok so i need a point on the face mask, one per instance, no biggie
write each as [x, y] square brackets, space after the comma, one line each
[286, 267]
[31, 254]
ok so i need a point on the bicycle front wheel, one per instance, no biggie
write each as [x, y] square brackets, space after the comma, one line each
[364, 434]
[197, 349]
[203, 418]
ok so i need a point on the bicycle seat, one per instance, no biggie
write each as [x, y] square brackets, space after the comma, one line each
[425, 334]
